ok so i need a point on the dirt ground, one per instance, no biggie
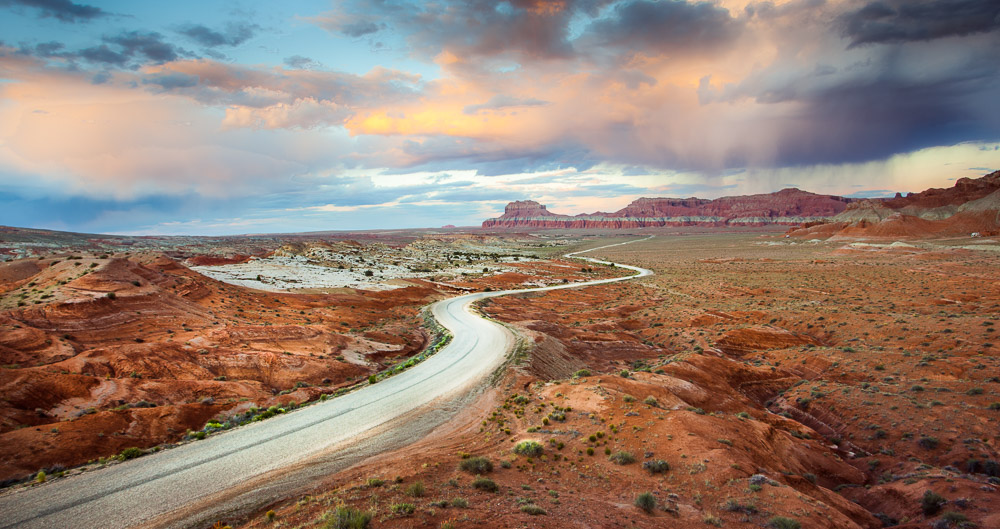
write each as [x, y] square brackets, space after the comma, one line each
[754, 381]
[101, 353]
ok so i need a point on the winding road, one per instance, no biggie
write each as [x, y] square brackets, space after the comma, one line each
[246, 468]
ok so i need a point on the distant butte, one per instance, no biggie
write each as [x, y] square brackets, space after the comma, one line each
[788, 206]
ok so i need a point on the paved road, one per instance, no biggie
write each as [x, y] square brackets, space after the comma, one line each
[243, 469]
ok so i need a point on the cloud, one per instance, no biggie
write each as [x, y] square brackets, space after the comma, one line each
[234, 35]
[302, 113]
[300, 62]
[150, 45]
[104, 54]
[503, 101]
[61, 10]
[350, 25]
[521, 29]
[130, 49]
[673, 27]
[580, 99]
[171, 81]
[894, 21]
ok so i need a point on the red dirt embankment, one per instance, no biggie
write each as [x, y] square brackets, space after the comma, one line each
[99, 354]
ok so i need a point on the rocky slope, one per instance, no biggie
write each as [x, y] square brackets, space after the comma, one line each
[788, 206]
[972, 206]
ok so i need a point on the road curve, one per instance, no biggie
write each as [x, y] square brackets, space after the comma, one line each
[244, 468]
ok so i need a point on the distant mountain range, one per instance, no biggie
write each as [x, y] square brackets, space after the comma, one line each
[971, 206]
[788, 206]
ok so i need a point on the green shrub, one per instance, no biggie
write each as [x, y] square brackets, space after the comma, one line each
[130, 453]
[270, 515]
[528, 448]
[374, 482]
[460, 503]
[646, 501]
[582, 373]
[651, 401]
[405, 509]
[928, 443]
[622, 458]
[656, 466]
[40, 477]
[932, 502]
[476, 465]
[954, 518]
[532, 509]
[347, 518]
[416, 489]
[484, 483]
[782, 522]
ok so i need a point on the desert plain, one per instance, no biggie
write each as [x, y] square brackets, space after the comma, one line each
[758, 378]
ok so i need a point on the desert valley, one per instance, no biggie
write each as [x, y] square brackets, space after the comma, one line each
[828, 367]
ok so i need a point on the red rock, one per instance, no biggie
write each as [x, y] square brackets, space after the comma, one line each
[971, 206]
[788, 206]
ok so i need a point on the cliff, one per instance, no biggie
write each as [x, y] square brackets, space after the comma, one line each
[788, 206]
[972, 205]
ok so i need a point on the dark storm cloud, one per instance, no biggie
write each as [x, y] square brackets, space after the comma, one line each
[62, 10]
[864, 119]
[520, 29]
[909, 20]
[528, 31]
[672, 26]
[234, 35]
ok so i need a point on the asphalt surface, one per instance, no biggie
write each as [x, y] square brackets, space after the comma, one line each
[245, 468]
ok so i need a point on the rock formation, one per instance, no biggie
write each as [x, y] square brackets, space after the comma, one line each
[971, 206]
[788, 206]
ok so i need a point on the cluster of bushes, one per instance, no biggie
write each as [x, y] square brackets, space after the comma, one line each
[528, 448]
[443, 338]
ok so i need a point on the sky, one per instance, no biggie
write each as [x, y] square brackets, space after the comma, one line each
[210, 118]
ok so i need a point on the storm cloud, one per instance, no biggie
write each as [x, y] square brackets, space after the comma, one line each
[572, 102]
[893, 21]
